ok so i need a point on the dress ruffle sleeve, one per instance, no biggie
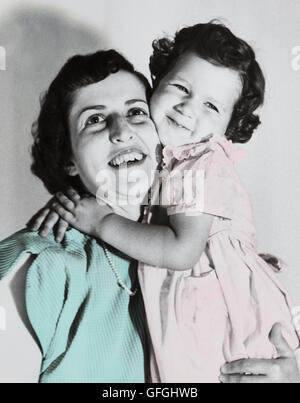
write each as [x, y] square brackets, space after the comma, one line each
[202, 179]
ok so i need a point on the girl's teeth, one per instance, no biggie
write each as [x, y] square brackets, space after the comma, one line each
[177, 124]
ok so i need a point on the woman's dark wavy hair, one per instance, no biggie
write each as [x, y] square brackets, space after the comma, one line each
[51, 150]
[216, 43]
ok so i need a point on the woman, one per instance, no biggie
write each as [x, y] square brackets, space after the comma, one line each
[165, 56]
[81, 298]
[86, 157]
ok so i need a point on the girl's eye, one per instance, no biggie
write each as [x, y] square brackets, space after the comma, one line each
[94, 120]
[181, 88]
[211, 106]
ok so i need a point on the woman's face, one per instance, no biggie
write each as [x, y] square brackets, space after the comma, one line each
[111, 130]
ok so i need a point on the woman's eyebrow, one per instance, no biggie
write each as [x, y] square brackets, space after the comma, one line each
[133, 101]
[101, 107]
[97, 107]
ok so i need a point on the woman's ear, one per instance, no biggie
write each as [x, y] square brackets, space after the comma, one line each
[71, 169]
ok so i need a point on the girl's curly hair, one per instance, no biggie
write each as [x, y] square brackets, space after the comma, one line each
[216, 43]
[51, 150]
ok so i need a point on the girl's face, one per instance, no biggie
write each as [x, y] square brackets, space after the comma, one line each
[194, 100]
[110, 125]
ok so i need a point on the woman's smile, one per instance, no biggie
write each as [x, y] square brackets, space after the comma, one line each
[128, 156]
[111, 129]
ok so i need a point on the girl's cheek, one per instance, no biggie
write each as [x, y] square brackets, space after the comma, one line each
[211, 117]
[170, 98]
[162, 99]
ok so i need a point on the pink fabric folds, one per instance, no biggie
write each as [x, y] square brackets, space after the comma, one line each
[223, 308]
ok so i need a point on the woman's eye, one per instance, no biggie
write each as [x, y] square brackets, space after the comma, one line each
[181, 88]
[211, 106]
[137, 115]
[137, 112]
[94, 120]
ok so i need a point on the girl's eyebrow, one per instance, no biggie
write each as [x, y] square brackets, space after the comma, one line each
[181, 79]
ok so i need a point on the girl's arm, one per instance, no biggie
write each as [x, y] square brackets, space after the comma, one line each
[177, 246]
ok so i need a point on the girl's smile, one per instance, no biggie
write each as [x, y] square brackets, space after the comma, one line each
[194, 100]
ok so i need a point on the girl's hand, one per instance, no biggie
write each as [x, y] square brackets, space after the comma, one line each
[46, 218]
[281, 370]
[85, 215]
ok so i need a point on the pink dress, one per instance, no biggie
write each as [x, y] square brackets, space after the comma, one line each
[223, 308]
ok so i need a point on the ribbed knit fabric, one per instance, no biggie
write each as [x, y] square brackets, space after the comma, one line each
[89, 329]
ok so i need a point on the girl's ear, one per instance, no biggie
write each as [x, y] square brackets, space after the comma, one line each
[71, 169]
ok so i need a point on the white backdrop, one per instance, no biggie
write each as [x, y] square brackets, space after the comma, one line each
[38, 36]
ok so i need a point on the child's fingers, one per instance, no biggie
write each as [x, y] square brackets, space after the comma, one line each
[61, 230]
[36, 221]
[65, 201]
[48, 224]
[73, 195]
[63, 213]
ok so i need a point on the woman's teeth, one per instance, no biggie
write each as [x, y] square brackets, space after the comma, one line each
[125, 158]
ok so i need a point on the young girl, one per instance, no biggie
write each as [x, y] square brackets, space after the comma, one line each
[209, 296]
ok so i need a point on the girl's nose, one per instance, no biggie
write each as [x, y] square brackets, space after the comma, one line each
[120, 131]
[186, 108]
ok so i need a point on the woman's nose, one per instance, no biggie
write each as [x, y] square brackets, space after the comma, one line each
[120, 131]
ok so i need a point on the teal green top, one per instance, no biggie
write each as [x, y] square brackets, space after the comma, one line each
[89, 329]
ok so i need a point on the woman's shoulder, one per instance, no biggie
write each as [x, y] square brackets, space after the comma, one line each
[13, 248]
